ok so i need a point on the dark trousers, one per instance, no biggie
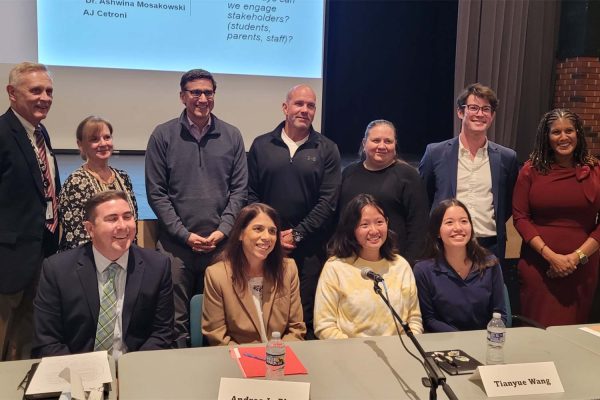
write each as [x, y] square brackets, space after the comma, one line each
[491, 243]
[309, 257]
[187, 271]
[16, 310]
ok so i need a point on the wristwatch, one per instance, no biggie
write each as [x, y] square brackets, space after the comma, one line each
[297, 236]
[583, 259]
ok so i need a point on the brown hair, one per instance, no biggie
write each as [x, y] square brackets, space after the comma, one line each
[233, 251]
[478, 90]
[89, 208]
[89, 125]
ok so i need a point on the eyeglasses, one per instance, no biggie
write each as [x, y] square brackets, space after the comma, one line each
[474, 109]
[197, 93]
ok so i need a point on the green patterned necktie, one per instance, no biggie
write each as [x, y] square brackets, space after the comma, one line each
[108, 311]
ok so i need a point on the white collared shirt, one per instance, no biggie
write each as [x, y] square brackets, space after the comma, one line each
[30, 129]
[293, 146]
[474, 188]
[255, 285]
[102, 264]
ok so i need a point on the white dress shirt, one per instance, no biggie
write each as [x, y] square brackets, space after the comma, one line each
[102, 264]
[30, 129]
[255, 285]
[474, 188]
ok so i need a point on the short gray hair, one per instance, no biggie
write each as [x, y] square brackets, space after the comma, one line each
[23, 68]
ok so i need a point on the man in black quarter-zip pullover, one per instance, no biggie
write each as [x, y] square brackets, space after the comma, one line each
[296, 170]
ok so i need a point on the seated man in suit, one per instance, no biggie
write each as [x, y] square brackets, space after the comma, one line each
[105, 295]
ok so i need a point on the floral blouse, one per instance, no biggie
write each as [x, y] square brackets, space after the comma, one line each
[79, 187]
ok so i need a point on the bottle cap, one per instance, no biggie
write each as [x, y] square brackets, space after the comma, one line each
[276, 335]
[495, 315]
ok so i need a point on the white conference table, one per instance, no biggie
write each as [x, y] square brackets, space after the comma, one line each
[365, 368]
[11, 375]
[572, 333]
[13, 372]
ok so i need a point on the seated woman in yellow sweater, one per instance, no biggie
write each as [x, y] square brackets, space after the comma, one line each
[345, 304]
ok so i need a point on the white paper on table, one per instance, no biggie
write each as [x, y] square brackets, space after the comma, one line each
[93, 368]
[76, 386]
[594, 330]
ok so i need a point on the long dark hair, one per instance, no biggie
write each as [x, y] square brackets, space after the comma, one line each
[233, 252]
[480, 256]
[344, 244]
[542, 155]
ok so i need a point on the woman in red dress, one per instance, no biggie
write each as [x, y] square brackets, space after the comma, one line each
[555, 207]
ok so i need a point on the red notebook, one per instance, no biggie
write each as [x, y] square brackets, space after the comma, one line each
[251, 361]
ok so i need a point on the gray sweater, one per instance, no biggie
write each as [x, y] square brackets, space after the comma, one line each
[196, 186]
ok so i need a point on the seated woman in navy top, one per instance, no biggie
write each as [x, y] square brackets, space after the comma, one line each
[460, 284]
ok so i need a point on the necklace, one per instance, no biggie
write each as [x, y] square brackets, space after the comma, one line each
[106, 179]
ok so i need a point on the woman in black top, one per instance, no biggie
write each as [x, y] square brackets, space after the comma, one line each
[394, 183]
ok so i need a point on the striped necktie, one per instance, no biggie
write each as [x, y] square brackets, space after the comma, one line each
[108, 311]
[49, 189]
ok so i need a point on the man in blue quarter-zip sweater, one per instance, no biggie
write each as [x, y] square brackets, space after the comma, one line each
[296, 170]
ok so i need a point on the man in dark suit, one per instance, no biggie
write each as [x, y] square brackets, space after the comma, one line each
[107, 294]
[29, 185]
[473, 169]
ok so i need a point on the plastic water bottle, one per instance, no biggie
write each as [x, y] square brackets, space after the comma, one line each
[496, 335]
[275, 360]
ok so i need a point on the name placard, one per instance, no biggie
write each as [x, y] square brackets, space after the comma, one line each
[519, 379]
[255, 389]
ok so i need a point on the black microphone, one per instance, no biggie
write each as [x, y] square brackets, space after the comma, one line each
[368, 274]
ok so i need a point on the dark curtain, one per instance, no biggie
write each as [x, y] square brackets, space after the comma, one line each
[509, 46]
[392, 60]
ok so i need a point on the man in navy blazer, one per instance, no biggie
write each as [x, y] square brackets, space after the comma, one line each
[69, 297]
[29, 188]
[473, 169]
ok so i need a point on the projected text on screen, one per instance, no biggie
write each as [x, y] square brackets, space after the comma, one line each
[260, 37]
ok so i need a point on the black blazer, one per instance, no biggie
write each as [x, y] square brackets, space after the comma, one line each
[22, 206]
[67, 303]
